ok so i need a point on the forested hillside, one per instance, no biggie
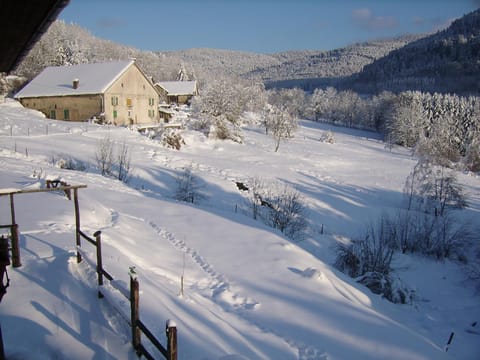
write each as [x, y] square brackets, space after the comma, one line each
[448, 61]
[328, 64]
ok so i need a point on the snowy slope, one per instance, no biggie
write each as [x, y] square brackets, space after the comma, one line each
[249, 293]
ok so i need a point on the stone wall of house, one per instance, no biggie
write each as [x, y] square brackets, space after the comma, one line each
[69, 108]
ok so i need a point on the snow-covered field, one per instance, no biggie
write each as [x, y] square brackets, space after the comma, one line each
[249, 293]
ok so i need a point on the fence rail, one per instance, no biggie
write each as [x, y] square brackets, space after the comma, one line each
[138, 327]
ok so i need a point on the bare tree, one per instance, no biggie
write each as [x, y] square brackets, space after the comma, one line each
[256, 190]
[104, 155]
[123, 163]
[188, 187]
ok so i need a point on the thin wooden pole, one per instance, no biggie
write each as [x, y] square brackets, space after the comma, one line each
[77, 225]
[12, 209]
[134, 312]
[171, 329]
[2, 351]
[98, 238]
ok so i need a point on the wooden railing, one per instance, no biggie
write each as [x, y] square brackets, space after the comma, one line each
[138, 327]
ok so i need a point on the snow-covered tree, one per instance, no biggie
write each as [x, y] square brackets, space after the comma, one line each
[406, 121]
[220, 106]
[433, 189]
[292, 100]
[281, 124]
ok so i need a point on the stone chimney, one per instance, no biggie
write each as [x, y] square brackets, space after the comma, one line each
[75, 84]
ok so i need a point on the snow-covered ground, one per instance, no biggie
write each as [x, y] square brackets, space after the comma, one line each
[249, 293]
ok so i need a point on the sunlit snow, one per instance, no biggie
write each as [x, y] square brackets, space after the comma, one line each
[249, 293]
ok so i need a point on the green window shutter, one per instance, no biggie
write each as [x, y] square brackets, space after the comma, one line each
[115, 114]
[66, 114]
[53, 114]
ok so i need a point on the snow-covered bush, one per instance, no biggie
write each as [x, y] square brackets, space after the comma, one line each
[67, 162]
[280, 207]
[372, 253]
[389, 286]
[328, 137]
[368, 261]
[224, 130]
[172, 139]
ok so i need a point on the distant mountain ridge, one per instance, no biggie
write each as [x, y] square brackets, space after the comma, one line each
[447, 61]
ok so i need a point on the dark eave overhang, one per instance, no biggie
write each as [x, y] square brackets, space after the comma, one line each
[22, 23]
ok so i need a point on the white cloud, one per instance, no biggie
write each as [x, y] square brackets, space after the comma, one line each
[364, 18]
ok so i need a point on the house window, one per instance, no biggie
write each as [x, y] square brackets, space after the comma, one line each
[66, 114]
[53, 114]
[114, 100]
[129, 102]
[115, 114]
[151, 101]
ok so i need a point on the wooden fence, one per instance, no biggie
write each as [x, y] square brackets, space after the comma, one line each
[138, 327]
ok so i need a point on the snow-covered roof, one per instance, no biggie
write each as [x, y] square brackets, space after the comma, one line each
[179, 87]
[58, 80]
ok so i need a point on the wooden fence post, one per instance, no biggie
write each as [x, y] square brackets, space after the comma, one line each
[15, 247]
[171, 329]
[98, 238]
[14, 234]
[134, 313]
[77, 225]
[2, 350]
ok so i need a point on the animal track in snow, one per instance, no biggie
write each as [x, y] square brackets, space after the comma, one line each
[222, 294]
[217, 284]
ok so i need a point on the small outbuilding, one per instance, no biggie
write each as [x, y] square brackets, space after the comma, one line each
[116, 93]
[177, 92]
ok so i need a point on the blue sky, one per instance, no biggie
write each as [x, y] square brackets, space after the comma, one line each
[262, 26]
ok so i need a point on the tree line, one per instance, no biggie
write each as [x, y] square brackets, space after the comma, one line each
[443, 127]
